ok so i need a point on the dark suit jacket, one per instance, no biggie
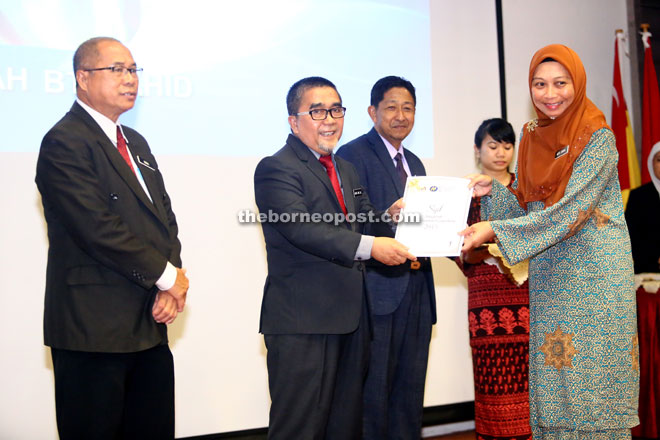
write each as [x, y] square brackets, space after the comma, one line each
[642, 216]
[109, 243]
[314, 286]
[386, 285]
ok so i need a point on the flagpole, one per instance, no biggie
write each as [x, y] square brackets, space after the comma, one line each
[634, 73]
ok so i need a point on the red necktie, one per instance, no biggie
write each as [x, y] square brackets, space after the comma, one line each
[332, 174]
[121, 146]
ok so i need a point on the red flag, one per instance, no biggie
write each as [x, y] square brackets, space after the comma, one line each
[620, 123]
[650, 106]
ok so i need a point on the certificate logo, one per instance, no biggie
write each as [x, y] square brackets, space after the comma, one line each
[414, 185]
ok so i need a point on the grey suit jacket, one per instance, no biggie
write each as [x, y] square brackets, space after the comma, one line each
[108, 243]
[386, 285]
[314, 286]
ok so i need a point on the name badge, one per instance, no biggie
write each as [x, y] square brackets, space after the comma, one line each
[561, 152]
[357, 192]
[145, 163]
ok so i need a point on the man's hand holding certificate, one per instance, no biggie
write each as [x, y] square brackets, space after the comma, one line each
[435, 210]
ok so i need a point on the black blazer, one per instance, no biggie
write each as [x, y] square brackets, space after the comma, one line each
[643, 217]
[108, 243]
[314, 286]
[386, 285]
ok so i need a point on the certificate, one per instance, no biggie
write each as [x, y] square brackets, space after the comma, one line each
[436, 209]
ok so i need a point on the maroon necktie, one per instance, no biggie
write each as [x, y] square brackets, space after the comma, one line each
[401, 171]
[332, 174]
[121, 146]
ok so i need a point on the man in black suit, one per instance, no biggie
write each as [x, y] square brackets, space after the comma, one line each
[402, 297]
[314, 315]
[113, 280]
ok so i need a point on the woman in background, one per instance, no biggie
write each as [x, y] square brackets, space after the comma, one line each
[566, 216]
[498, 311]
[643, 218]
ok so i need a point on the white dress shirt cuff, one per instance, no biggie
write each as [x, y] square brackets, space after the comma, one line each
[364, 248]
[168, 278]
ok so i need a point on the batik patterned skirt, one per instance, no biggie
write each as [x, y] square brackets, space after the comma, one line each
[498, 314]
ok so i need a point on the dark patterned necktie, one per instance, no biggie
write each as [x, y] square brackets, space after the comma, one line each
[121, 146]
[326, 161]
[400, 170]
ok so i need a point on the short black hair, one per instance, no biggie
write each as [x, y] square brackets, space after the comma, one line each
[384, 84]
[299, 88]
[499, 129]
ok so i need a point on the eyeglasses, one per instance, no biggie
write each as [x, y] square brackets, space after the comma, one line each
[319, 114]
[117, 70]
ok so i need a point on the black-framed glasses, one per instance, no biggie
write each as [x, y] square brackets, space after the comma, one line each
[319, 114]
[117, 70]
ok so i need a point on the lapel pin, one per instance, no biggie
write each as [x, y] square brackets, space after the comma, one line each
[145, 163]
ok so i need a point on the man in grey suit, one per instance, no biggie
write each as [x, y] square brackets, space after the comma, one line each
[114, 278]
[403, 296]
[314, 314]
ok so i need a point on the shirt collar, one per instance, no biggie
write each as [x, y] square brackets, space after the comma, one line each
[108, 126]
[390, 148]
[318, 155]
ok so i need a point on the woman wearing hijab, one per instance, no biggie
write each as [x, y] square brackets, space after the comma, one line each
[643, 217]
[565, 215]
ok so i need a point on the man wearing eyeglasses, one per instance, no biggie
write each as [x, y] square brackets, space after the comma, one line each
[114, 278]
[402, 297]
[314, 314]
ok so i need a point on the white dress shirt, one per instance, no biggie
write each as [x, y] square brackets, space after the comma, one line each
[109, 127]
